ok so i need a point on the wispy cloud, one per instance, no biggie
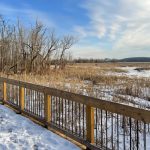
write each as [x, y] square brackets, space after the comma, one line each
[123, 24]
[89, 51]
[26, 14]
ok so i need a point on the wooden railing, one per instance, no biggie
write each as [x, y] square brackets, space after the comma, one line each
[95, 123]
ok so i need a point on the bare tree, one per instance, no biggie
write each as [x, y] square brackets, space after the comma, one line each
[51, 46]
[5, 41]
[35, 43]
[31, 49]
[65, 44]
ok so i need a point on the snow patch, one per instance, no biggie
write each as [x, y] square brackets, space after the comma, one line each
[131, 72]
[18, 132]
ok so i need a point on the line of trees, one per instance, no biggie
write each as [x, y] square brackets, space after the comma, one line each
[92, 60]
[32, 49]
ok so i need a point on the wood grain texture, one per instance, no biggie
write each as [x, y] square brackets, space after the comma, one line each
[4, 91]
[125, 110]
[90, 123]
[47, 107]
[21, 97]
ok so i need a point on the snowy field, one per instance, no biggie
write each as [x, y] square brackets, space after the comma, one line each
[132, 72]
[20, 133]
[132, 94]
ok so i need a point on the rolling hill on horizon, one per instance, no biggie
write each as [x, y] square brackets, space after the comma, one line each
[136, 59]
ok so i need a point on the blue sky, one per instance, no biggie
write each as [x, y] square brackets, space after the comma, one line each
[105, 28]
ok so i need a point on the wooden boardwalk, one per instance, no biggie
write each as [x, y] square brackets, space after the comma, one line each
[93, 122]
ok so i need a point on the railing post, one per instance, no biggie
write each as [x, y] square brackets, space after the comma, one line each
[21, 97]
[90, 123]
[47, 108]
[4, 91]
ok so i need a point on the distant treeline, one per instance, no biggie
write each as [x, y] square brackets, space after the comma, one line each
[136, 59]
[132, 59]
[80, 60]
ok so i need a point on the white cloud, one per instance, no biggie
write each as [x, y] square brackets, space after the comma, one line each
[123, 24]
[88, 51]
[114, 29]
[96, 51]
[135, 38]
[97, 22]
[80, 31]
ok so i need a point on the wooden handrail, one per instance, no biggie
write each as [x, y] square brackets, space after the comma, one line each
[128, 111]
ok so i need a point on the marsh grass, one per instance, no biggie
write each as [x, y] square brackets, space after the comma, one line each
[79, 78]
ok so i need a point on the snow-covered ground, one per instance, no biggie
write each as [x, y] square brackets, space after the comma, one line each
[131, 72]
[20, 133]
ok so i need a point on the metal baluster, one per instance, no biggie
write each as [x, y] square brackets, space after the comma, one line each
[130, 124]
[106, 130]
[83, 121]
[124, 143]
[112, 133]
[72, 117]
[79, 120]
[117, 132]
[144, 134]
[101, 129]
[65, 114]
[62, 103]
[137, 140]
